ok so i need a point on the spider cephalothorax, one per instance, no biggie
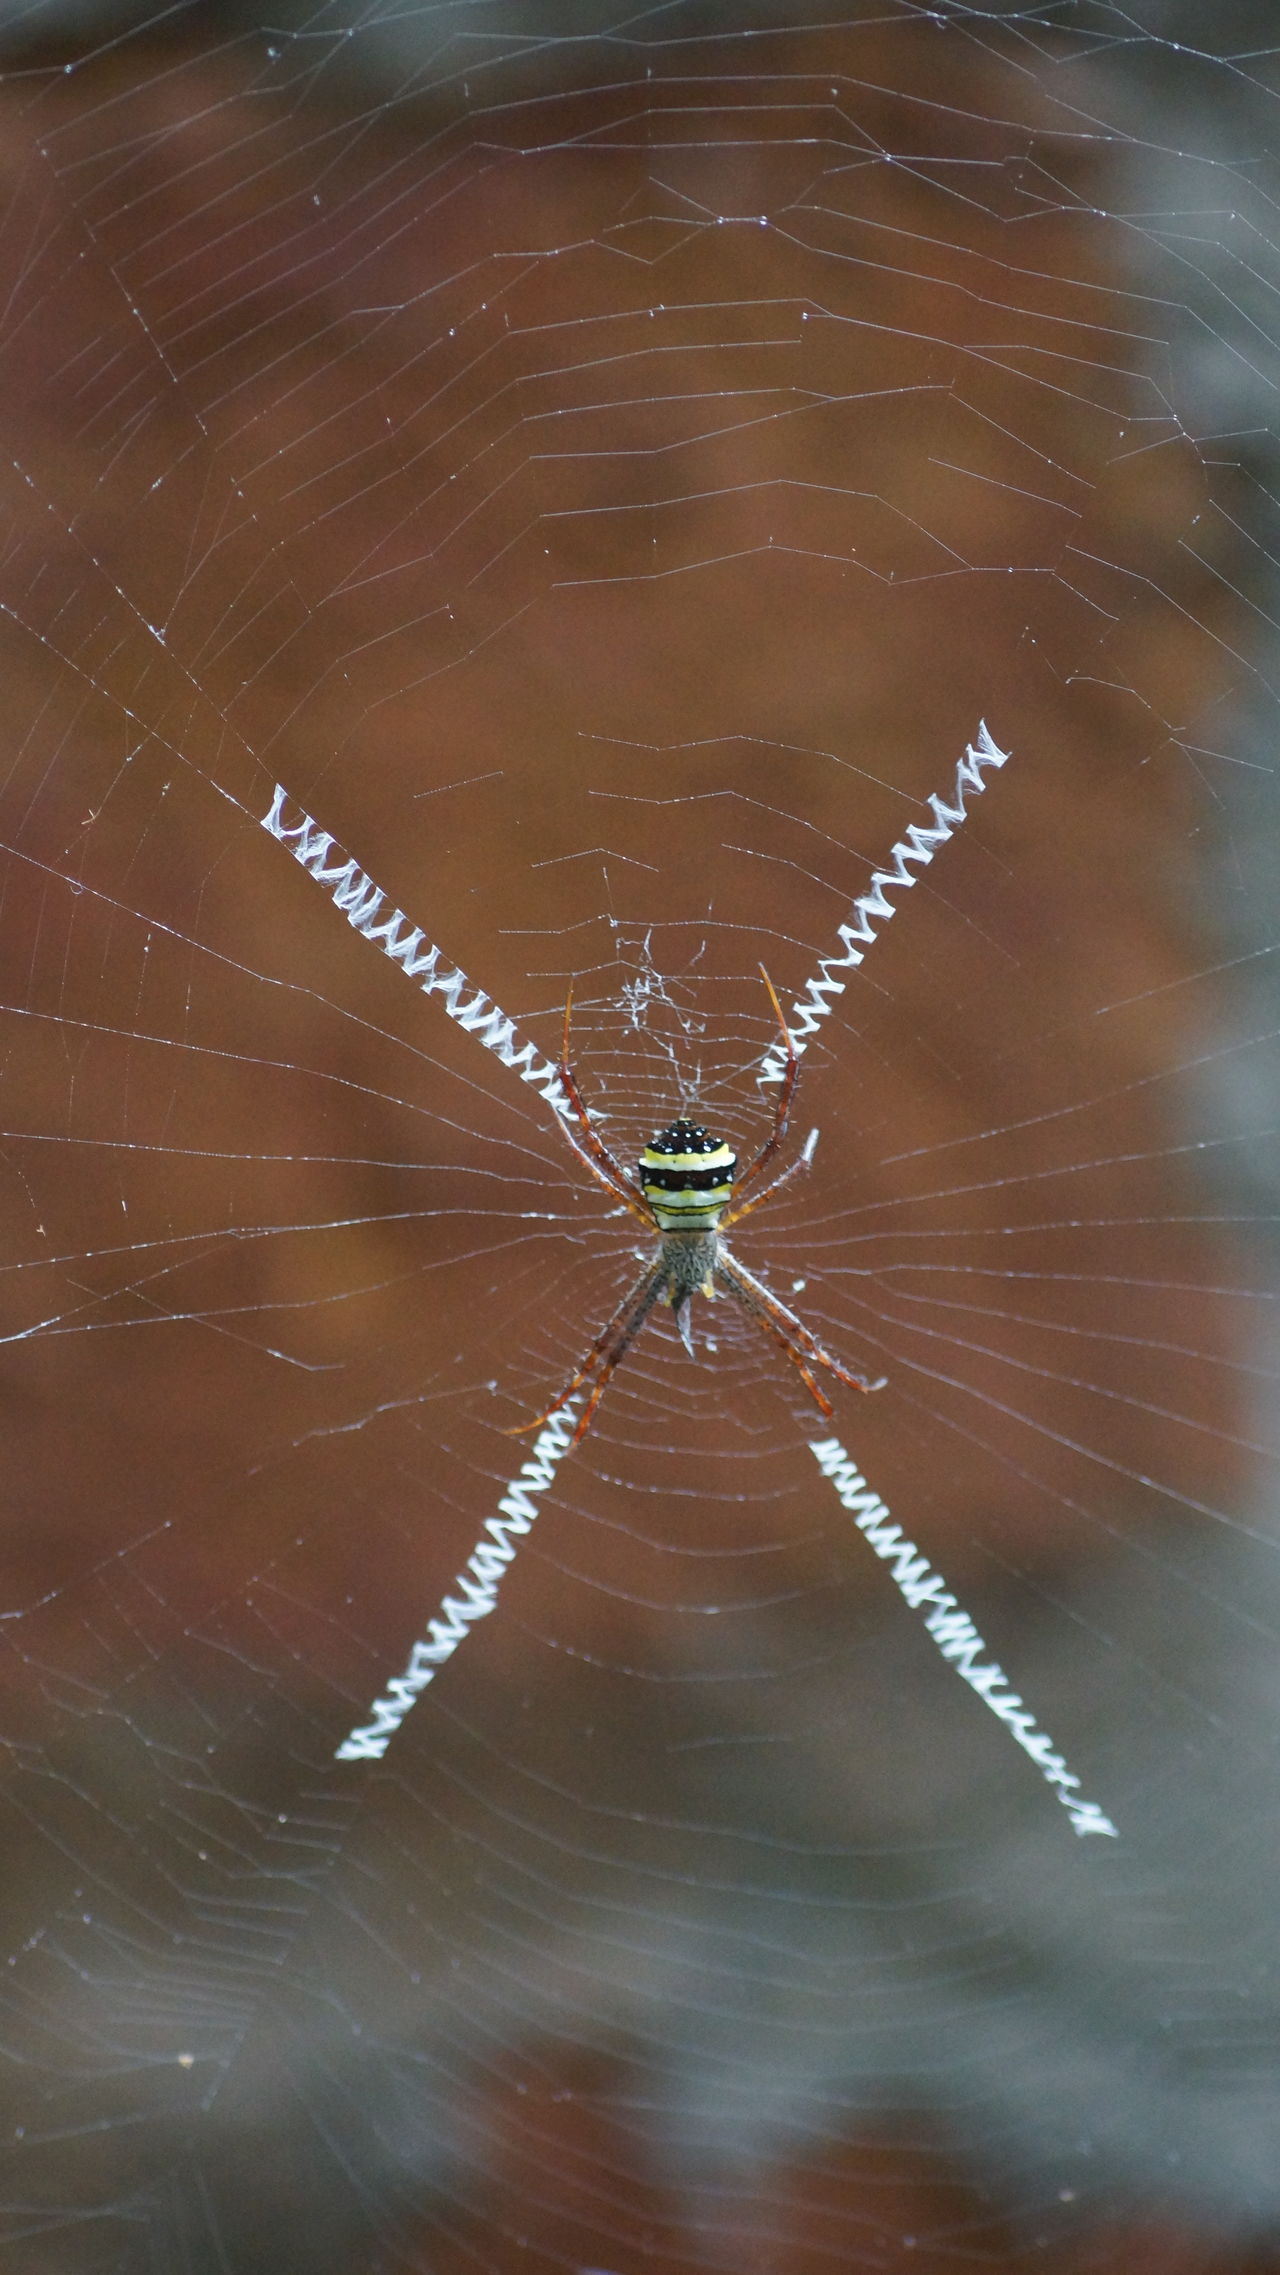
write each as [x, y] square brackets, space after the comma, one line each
[688, 1188]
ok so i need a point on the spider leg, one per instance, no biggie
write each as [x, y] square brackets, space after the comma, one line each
[775, 1184]
[590, 1147]
[785, 1095]
[790, 1334]
[609, 1348]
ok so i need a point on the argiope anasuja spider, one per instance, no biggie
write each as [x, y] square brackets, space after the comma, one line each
[687, 1191]
[689, 1194]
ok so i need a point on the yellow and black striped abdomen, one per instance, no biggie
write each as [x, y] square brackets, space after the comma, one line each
[687, 1178]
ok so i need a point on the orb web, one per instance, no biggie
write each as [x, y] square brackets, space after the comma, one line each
[582, 484]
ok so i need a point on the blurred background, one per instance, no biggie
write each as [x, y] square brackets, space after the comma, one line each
[605, 468]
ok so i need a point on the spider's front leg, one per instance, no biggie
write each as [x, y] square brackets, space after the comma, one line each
[775, 1184]
[590, 1147]
[781, 1111]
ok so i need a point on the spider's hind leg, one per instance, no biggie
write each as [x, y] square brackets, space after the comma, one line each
[789, 1334]
[610, 1346]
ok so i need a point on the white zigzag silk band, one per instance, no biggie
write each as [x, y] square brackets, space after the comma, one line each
[871, 908]
[476, 1593]
[954, 1632]
[364, 906]
[363, 903]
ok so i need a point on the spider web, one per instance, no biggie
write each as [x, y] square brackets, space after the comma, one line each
[595, 474]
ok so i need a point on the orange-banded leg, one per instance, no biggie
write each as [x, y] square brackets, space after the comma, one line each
[610, 1346]
[781, 1111]
[775, 1184]
[790, 1334]
[590, 1147]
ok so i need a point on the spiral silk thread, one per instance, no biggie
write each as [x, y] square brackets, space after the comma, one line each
[953, 1631]
[363, 904]
[872, 909]
[476, 1593]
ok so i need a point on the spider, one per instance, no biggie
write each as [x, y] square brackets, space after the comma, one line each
[688, 1189]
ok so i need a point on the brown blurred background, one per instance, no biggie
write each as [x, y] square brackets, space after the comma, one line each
[607, 482]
